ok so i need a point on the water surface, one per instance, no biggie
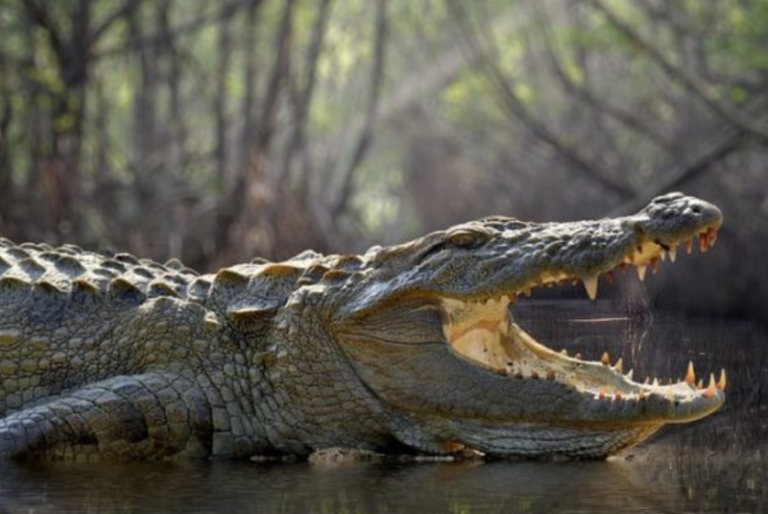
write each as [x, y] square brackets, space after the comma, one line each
[715, 484]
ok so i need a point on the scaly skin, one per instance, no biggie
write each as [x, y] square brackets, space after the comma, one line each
[410, 346]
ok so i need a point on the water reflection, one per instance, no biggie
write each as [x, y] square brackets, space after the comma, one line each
[655, 485]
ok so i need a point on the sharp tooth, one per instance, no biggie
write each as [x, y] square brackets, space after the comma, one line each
[700, 384]
[663, 255]
[577, 356]
[655, 382]
[690, 376]
[630, 374]
[564, 352]
[590, 284]
[710, 391]
[722, 382]
[647, 380]
[619, 366]
[689, 246]
[641, 272]
[673, 253]
[605, 359]
[655, 265]
[703, 243]
[711, 236]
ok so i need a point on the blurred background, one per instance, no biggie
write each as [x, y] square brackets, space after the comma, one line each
[221, 130]
[217, 131]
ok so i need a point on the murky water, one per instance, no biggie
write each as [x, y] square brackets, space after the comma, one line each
[717, 465]
[722, 483]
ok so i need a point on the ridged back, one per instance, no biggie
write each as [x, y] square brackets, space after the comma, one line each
[69, 272]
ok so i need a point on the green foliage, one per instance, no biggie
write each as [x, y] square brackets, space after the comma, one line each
[153, 109]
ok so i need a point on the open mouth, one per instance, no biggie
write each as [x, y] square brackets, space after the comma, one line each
[483, 332]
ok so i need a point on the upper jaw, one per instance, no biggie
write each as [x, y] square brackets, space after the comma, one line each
[557, 253]
[581, 252]
[521, 256]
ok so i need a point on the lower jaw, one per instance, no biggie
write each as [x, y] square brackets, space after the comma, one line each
[509, 350]
[531, 441]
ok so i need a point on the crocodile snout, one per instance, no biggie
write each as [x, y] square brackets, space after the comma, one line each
[675, 216]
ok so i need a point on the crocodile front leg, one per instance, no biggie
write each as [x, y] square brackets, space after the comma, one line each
[148, 416]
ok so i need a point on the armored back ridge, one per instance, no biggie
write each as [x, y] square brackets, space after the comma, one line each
[409, 346]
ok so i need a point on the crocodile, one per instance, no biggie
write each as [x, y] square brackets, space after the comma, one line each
[405, 348]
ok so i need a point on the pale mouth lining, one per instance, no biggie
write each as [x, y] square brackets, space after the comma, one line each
[483, 333]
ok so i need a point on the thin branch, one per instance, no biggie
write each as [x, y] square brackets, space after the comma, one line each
[728, 141]
[220, 97]
[6, 182]
[700, 37]
[366, 133]
[39, 15]
[689, 81]
[117, 14]
[517, 110]
[280, 69]
[233, 193]
[580, 163]
[247, 138]
[623, 116]
[661, 14]
[184, 29]
[301, 98]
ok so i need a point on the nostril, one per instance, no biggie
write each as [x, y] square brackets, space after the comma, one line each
[696, 209]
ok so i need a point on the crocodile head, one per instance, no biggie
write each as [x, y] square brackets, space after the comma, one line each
[428, 329]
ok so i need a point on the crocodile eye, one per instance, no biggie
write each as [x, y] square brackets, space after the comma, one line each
[466, 239]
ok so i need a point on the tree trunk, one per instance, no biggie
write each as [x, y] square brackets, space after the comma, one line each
[7, 193]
